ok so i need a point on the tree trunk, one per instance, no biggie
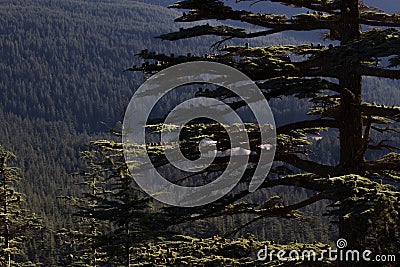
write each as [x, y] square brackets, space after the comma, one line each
[350, 120]
[350, 113]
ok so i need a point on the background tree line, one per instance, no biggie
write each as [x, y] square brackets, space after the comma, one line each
[61, 74]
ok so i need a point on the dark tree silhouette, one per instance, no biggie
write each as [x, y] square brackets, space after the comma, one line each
[112, 217]
[364, 42]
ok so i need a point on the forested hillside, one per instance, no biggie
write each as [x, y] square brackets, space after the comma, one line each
[62, 75]
[63, 60]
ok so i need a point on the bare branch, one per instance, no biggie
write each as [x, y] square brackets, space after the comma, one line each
[383, 145]
[318, 123]
[379, 23]
[387, 129]
[366, 139]
[280, 211]
[307, 165]
[392, 113]
[378, 72]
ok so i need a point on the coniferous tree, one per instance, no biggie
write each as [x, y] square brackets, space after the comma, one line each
[114, 218]
[17, 223]
[365, 42]
[80, 241]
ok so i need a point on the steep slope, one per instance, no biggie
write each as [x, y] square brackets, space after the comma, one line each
[62, 74]
[61, 60]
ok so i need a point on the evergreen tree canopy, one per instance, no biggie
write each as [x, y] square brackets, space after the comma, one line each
[112, 217]
[364, 41]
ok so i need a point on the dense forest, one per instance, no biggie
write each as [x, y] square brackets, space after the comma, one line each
[63, 92]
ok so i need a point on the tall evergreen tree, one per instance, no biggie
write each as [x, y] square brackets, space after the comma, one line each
[365, 42]
[17, 223]
[114, 218]
[79, 239]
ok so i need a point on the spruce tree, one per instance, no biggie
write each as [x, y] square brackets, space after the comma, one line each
[365, 42]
